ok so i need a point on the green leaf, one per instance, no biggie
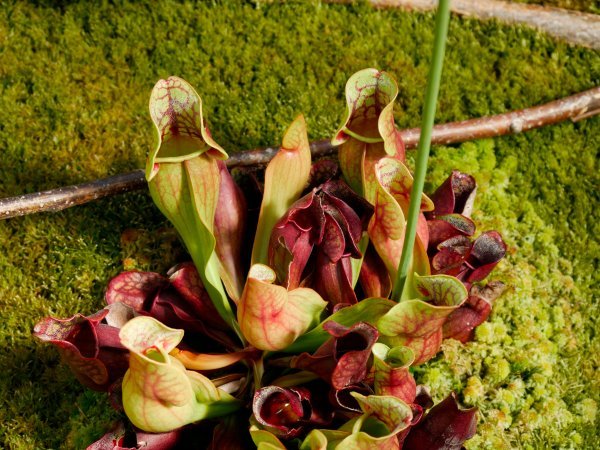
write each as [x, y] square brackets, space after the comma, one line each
[441, 290]
[370, 96]
[391, 375]
[176, 111]
[315, 440]
[285, 178]
[159, 394]
[387, 186]
[265, 440]
[383, 418]
[417, 323]
[270, 316]
[184, 178]
[369, 310]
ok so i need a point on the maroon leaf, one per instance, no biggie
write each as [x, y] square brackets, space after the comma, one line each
[374, 277]
[311, 245]
[333, 281]
[185, 279]
[231, 434]
[179, 301]
[455, 195]
[343, 397]
[229, 227]
[468, 261]
[488, 249]
[423, 397]
[89, 346]
[134, 288]
[121, 439]
[322, 171]
[451, 256]
[445, 227]
[460, 324]
[342, 359]
[445, 427]
[113, 440]
[286, 411]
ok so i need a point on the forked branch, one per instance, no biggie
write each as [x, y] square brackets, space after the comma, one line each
[575, 107]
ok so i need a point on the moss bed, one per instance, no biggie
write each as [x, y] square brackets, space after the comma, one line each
[75, 81]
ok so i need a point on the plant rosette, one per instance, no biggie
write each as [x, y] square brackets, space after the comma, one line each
[289, 340]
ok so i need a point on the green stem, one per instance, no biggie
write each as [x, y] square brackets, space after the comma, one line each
[258, 370]
[433, 87]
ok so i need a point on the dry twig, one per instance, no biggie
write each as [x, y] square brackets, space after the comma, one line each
[575, 107]
[572, 26]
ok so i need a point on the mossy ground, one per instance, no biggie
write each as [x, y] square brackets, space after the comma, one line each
[75, 80]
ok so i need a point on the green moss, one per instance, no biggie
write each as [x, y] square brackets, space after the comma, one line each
[73, 97]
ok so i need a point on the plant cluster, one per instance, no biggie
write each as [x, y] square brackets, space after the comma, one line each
[284, 322]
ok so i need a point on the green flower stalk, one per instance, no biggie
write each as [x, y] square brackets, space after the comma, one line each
[433, 87]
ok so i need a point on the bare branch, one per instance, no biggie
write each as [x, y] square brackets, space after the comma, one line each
[572, 26]
[575, 107]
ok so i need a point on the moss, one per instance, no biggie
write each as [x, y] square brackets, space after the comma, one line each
[75, 84]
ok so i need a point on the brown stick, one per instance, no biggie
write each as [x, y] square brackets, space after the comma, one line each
[575, 107]
[573, 26]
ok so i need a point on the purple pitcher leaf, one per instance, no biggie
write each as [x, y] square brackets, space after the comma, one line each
[287, 411]
[462, 322]
[455, 195]
[445, 427]
[112, 440]
[423, 398]
[374, 277]
[229, 227]
[185, 279]
[370, 96]
[334, 281]
[488, 249]
[184, 180]
[134, 288]
[119, 314]
[368, 310]
[325, 227]
[281, 409]
[341, 360]
[369, 128]
[393, 412]
[176, 110]
[450, 259]
[322, 171]
[351, 155]
[121, 439]
[447, 226]
[440, 290]
[344, 398]
[387, 186]
[89, 347]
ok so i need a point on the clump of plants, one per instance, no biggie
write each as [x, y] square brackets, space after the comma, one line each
[311, 293]
[313, 289]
